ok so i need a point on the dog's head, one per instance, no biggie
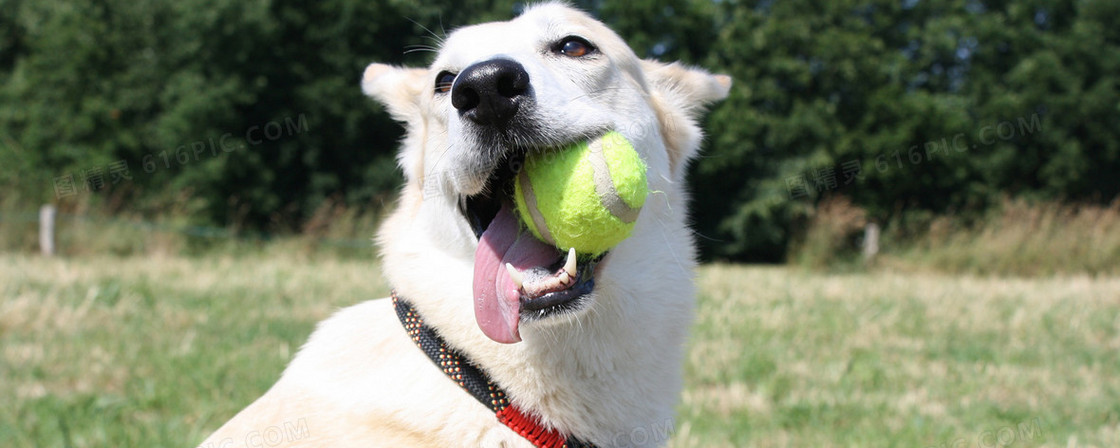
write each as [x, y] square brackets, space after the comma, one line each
[496, 92]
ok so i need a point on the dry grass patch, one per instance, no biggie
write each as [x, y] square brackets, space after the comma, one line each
[1020, 238]
[133, 351]
[109, 351]
[889, 359]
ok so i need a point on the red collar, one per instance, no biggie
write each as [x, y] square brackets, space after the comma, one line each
[472, 379]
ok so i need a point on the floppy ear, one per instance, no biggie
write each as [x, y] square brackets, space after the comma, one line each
[398, 88]
[680, 94]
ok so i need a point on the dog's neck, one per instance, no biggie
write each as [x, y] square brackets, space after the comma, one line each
[604, 374]
[591, 378]
[477, 382]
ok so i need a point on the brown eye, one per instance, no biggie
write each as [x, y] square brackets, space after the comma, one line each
[574, 47]
[443, 81]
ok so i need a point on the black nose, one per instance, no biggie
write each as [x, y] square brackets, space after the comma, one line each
[490, 92]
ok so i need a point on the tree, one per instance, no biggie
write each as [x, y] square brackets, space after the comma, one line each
[249, 114]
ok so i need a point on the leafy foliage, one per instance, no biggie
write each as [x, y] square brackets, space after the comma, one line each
[248, 114]
[942, 106]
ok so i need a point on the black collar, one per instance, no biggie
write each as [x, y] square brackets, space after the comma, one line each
[471, 378]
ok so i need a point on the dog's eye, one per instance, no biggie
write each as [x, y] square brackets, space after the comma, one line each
[574, 47]
[443, 81]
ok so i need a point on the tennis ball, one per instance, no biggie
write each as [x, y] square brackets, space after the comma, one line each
[586, 195]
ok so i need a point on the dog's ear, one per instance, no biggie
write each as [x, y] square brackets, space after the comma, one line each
[688, 88]
[398, 88]
[680, 94]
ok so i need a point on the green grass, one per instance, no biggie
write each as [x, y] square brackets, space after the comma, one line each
[157, 351]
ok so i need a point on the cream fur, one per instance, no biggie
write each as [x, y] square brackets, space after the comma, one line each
[611, 373]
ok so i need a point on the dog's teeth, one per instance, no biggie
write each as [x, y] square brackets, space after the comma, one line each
[515, 275]
[563, 277]
[570, 263]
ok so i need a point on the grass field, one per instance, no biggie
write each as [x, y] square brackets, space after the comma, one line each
[142, 351]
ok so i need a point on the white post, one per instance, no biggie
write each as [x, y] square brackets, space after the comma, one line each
[870, 241]
[46, 229]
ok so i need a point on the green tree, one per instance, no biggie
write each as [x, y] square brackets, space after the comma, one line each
[823, 87]
[909, 108]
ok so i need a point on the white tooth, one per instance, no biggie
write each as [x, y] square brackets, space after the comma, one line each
[563, 277]
[570, 263]
[514, 275]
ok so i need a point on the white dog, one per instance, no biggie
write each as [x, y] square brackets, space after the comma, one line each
[597, 363]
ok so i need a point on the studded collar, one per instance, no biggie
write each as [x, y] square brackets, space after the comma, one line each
[476, 382]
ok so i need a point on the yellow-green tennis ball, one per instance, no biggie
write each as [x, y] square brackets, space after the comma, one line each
[586, 195]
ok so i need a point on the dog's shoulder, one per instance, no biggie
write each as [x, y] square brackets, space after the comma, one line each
[359, 380]
[331, 381]
[339, 341]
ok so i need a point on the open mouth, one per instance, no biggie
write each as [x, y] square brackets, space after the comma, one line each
[516, 276]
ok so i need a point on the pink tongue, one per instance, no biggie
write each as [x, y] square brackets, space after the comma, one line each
[497, 304]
